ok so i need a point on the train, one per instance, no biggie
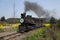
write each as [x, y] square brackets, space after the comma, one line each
[28, 23]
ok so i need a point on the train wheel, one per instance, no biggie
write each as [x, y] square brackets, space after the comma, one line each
[21, 29]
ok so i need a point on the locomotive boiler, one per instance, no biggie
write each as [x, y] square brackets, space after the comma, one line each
[28, 23]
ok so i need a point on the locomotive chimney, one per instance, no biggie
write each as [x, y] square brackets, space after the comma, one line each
[23, 15]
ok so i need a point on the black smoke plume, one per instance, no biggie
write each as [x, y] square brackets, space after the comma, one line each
[34, 7]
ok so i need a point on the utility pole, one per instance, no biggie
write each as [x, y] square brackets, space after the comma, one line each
[14, 9]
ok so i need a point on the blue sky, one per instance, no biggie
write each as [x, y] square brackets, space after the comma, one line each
[6, 7]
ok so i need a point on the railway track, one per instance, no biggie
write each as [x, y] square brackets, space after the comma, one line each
[10, 36]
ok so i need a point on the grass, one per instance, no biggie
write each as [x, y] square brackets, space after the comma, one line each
[58, 34]
[42, 34]
[1, 30]
[37, 35]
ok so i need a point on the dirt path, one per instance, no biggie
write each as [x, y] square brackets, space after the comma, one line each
[18, 37]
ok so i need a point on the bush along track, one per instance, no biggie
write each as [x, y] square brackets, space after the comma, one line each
[39, 34]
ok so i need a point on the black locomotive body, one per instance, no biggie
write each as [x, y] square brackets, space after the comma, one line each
[28, 23]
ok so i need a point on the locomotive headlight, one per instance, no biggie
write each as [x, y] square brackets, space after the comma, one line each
[21, 20]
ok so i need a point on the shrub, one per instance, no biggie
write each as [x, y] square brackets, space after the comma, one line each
[1, 30]
[37, 35]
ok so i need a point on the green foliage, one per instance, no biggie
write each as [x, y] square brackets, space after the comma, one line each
[1, 30]
[15, 28]
[52, 20]
[3, 18]
[58, 23]
[37, 35]
[42, 34]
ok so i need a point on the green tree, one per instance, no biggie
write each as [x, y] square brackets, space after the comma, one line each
[3, 18]
[58, 23]
[52, 20]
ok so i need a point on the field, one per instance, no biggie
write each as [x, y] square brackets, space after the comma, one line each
[42, 34]
[8, 27]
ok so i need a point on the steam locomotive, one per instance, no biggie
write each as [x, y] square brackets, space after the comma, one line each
[28, 23]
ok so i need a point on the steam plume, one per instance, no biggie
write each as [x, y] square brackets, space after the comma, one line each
[34, 7]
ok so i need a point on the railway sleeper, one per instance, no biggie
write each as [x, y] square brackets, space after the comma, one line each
[12, 36]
